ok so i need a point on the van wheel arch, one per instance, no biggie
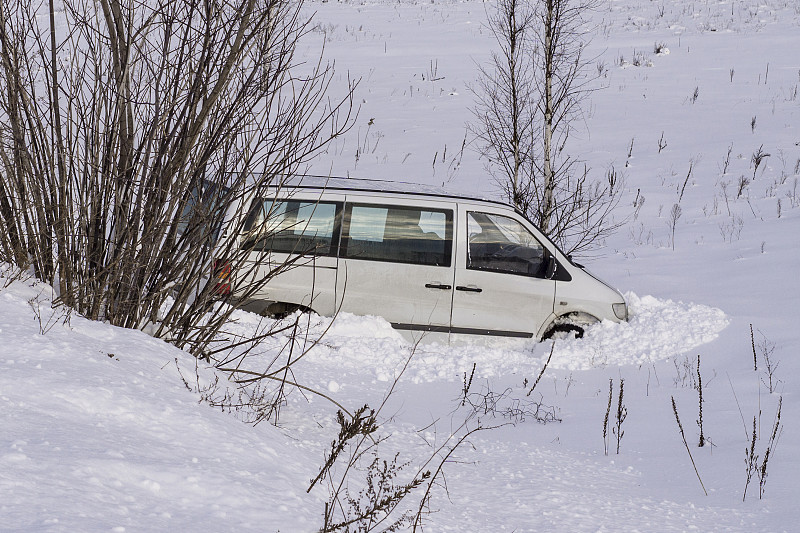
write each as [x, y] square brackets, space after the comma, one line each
[570, 324]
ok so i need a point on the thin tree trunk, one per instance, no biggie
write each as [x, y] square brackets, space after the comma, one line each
[549, 178]
[515, 140]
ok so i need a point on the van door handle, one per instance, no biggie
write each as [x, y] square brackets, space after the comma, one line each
[438, 286]
[468, 288]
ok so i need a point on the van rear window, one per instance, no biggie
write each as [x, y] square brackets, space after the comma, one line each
[293, 226]
[398, 234]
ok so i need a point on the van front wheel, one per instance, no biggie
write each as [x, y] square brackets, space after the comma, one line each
[569, 326]
[564, 331]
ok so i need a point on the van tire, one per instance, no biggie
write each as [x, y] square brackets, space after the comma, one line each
[564, 331]
[570, 325]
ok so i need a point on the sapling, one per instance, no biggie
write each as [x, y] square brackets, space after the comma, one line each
[769, 380]
[529, 100]
[683, 436]
[622, 413]
[743, 183]
[638, 205]
[674, 215]
[750, 460]
[738, 405]
[661, 143]
[700, 394]
[363, 422]
[758, 156]
[723, 185]
[685, 181]
[468, 383]
[541, 373]
[776, 431]
[608, 412]
[727, 161]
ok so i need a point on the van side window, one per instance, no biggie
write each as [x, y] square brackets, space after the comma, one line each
[398, 234]
[293, 226]
[502, 244]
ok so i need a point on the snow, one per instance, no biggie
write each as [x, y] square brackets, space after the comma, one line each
[105, 429]
[100, 433]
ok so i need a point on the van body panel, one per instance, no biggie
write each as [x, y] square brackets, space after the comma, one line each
[407, 276]
[310, 282]
[310, 279]
[492, 300]
[409, 296]
[586, 294]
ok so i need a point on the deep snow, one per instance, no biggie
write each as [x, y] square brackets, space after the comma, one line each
[100, 432]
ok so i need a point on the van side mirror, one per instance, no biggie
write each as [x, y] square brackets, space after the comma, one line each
[552, 266]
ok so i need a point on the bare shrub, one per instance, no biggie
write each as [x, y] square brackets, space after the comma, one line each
[127, 135]
[506, 405]
[47, 313]
[374, 503]
[9, 273]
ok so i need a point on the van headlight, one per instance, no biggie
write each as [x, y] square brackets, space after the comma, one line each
[620, 310]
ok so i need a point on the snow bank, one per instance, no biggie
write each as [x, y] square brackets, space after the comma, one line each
[658, 329]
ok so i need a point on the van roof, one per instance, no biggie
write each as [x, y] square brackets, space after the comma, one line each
[305, 181]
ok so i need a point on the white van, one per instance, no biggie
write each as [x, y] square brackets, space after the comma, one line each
[424, 261]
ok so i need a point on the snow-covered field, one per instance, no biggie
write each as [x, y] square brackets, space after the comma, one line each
[101, 429]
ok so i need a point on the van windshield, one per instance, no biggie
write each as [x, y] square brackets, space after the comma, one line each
[501, 244]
